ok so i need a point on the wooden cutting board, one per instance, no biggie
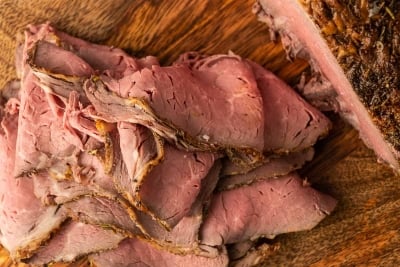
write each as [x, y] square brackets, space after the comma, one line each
[364, 229]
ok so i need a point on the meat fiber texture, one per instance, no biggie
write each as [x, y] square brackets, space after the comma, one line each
[120, 158]
[353, 52]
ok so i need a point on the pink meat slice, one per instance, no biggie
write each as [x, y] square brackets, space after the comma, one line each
[171, 187]
[53, 145]
[110, 61]
[184, 118]
[233, 90]
[75, 240]
[24, 222]
[291, 124]
[86, 177]
[135, 252]
[273, 168]
[184, 237]
[264, 209]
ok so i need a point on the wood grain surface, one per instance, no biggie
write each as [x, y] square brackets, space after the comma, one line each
[363, 230]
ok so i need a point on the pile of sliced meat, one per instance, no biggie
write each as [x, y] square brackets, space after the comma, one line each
[135, 164]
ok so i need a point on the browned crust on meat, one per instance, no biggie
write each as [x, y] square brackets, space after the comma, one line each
[364, 35]
[28, 251]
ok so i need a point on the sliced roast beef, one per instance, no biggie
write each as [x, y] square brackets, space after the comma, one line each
[165, 189]
[87, 177]
[24, 222]
[278, 164]
[46, 46]
[75, 240]
[161, 100]
[265, 208]
[171, 187]
[104, 212]
[42, 141]
[354, 48]
[88, 195]
[89, 204]
[139, 150]
[227, 82]
[47, 57]
[118, 159]
[186, 118]
[291, 124]
[104, 59]
[35, 152]
[85, 135]
[274, 167]
[184, 237]
[135, 252]
[89, 200]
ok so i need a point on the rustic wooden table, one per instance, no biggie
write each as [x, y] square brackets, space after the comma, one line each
[363, 230]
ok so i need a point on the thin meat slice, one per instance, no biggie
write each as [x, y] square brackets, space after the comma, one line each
[101, 223]
[187, 119]
[104, 59]
[41, 140]
[274, 167]
[88, 195]
[145, 148]
[136, 151]
[184, 237]
[46, 59]
[56, 78]
[75, 240]
[52, 191]
[24, 222]
[171, 187]
[136, 252]
[264, 209]
[46, 56]
[157, 179]
[227, 82]
[291, 124]
[235, 93]
[88, 203]
[105, 212]
[86, 177]
[360, 68]
[140, 148]
[292, 161]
